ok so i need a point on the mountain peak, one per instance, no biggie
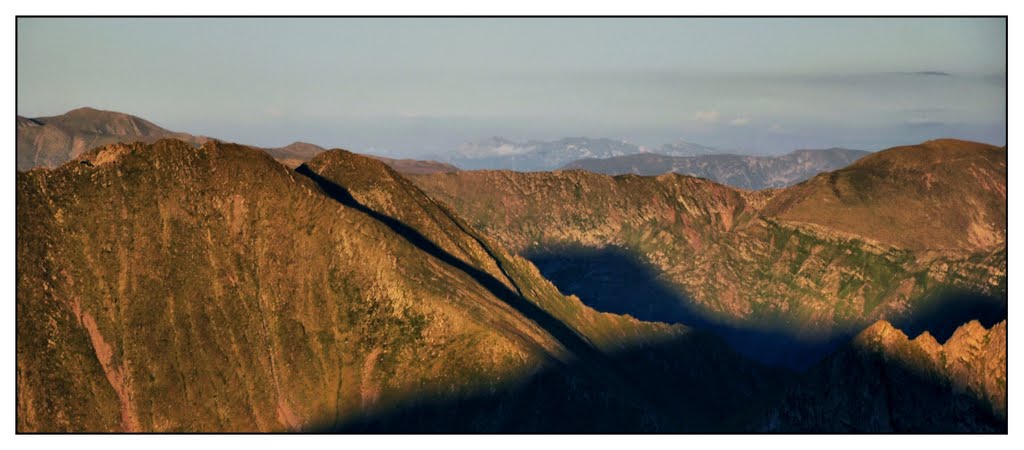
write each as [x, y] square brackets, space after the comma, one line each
[919, 187]
[882, 332]
[88, 110]
[54, 140]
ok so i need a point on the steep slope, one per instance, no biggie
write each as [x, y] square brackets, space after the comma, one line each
[746, 172]
[709, 255]
[167, 287]
[885, 382]
[52, 141]
[951, 194]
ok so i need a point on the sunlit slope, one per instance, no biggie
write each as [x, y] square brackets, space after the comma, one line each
[939, 195]
[168, 287]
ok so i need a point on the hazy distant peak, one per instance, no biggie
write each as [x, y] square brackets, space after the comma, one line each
[54, 140]
[501, 153]
[680, 147]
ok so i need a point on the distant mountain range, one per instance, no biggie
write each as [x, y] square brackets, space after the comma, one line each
[501, 153]
[616, 157]
[747, 172]
[534, 155]
[52, 141]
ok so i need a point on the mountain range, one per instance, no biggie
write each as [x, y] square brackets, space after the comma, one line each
[188, 284]
[501, 153]
[747, 172]
[616, 157]
[52, 141]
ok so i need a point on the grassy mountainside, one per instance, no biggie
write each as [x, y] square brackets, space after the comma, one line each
[740, 260]
[167, 287]
[939, 195]
[742, 171]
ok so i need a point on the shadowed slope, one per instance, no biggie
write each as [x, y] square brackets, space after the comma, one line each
[885, 382]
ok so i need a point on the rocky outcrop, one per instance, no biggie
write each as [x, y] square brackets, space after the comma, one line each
[885, 382]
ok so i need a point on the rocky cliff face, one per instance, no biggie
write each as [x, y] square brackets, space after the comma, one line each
[885, 382]
[746, 263]
[167, 287]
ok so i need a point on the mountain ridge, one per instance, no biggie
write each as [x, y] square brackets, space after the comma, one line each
[53, 140]
[742, 171]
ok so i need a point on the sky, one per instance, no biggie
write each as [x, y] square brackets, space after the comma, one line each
[414, 87]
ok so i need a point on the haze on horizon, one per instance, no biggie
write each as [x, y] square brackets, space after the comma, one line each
[413, 87]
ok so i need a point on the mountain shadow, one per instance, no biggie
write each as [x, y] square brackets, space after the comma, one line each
[943, 312]
[693, 384]
[612, 279]
[882, 381]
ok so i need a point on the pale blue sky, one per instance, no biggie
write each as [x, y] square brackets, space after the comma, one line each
[420, 86]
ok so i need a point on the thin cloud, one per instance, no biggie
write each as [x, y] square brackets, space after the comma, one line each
[707, 116]
[739, 121]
